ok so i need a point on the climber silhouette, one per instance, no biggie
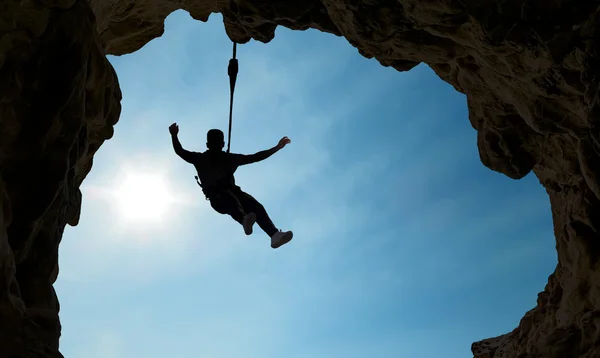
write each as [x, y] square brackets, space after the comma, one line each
[215, 169]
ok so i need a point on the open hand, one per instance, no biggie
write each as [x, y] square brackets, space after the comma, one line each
[174, 129]
[283, 142]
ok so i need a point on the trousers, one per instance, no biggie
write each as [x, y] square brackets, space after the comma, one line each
[237, 203]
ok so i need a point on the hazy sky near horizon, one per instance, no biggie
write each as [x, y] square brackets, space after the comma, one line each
[405, 245]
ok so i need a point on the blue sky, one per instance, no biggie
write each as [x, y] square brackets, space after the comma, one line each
[405, 245]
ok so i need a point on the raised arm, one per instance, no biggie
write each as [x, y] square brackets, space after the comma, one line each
[184, 154]
[242, 159]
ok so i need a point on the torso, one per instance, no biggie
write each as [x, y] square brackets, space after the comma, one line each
[215, 169]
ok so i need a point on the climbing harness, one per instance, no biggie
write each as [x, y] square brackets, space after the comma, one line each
[232, 71]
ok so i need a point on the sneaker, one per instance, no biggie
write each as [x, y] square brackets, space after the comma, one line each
[248, 222]
[281, 238]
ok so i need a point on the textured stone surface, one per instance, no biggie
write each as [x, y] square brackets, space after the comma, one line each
[530, 70]
[59, 99]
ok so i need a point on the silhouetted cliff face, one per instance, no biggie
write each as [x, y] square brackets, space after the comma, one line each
[530, 70]
[59, 100]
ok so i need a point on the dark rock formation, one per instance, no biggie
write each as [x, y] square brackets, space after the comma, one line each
[530, 70]
[59, 100]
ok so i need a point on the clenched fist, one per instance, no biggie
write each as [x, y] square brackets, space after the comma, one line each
[174, 129]
[283, 142]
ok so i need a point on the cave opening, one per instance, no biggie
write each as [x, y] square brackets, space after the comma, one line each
[402, 236]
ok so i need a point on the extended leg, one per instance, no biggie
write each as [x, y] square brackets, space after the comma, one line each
[251, 205]
[227, 202]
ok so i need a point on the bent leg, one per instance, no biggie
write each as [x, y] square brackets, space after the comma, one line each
[227, 203]
[251, 205]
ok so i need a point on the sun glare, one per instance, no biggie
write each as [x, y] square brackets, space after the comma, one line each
[143, 197]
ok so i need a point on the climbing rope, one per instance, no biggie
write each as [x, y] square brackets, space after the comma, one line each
[232, 71]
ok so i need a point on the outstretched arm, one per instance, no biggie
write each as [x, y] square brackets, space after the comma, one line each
[184, 154]
[262, 155]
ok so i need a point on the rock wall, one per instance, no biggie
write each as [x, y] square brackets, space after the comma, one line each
[530, 70]
[59, 100]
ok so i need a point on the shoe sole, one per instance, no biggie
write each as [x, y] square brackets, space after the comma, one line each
[284, 240]
[249, 223]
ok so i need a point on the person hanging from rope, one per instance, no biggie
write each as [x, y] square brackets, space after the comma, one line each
[215, 169]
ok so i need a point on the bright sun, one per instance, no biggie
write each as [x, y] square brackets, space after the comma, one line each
[143, 197]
